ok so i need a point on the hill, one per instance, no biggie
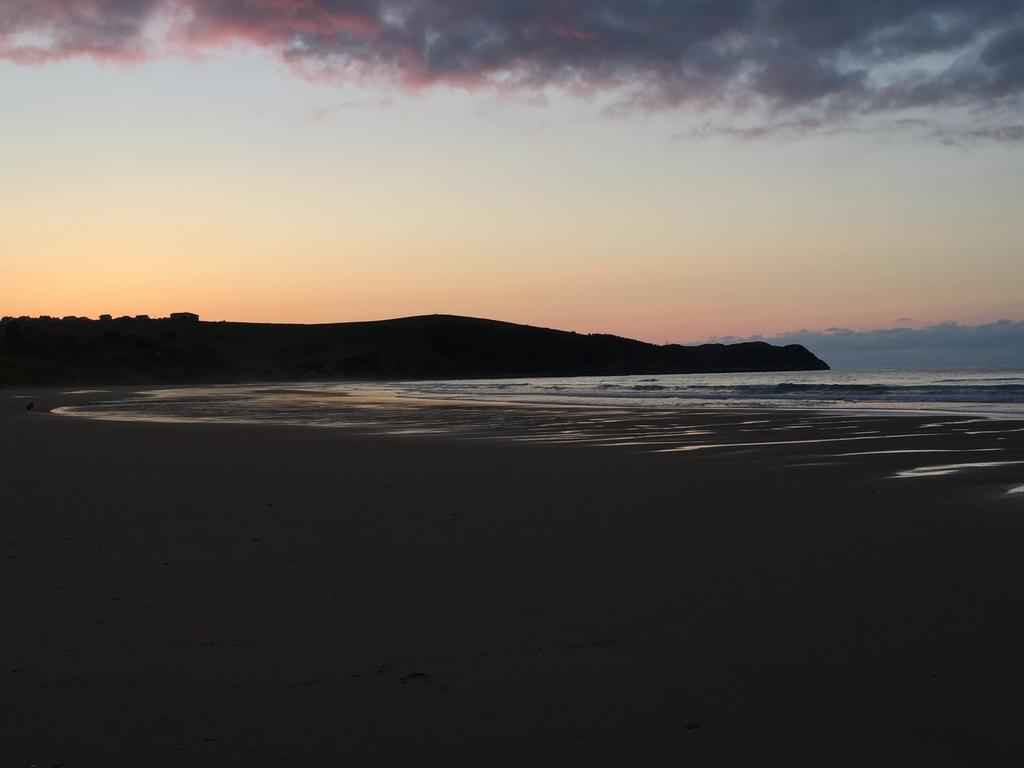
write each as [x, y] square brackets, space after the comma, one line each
[143, 350]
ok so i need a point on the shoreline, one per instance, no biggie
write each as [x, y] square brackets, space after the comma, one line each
[411, 393]
[218, 594]
[679, 430]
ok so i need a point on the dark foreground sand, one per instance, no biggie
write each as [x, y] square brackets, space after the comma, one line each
[201, 595]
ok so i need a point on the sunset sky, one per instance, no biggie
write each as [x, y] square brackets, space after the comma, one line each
[668, 171]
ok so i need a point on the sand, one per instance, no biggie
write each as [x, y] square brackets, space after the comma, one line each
[235, 595]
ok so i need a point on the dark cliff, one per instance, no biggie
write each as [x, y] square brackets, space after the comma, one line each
[80, 351]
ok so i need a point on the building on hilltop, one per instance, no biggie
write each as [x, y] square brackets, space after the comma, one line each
[190, 317]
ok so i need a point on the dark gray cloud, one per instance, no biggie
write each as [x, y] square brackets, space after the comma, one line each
[777, 62]
[945, 344]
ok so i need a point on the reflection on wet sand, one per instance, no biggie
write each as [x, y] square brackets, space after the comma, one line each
[785, 434]
[950, 469]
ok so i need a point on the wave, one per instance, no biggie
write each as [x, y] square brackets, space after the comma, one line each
[783, 391]
[983, 381]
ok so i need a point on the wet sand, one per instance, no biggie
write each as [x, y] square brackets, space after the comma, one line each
[222, 595]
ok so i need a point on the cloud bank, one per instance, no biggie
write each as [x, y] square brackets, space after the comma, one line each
[751, 66]
[946, 344]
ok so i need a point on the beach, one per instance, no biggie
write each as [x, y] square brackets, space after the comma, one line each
[270, 594]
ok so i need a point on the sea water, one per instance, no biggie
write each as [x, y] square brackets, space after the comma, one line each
[984, 392]
[989, 390]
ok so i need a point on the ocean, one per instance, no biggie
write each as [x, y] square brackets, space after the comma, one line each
[985, 393]
[990, 390]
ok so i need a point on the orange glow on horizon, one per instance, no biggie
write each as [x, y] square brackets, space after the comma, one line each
[212, 187]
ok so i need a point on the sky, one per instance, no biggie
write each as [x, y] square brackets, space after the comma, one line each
[670, 171]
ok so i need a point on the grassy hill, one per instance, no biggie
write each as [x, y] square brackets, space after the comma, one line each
[130, 350]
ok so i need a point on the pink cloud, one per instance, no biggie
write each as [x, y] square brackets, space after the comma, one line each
[826, 62]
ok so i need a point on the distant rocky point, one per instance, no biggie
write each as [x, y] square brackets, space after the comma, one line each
[181, 349]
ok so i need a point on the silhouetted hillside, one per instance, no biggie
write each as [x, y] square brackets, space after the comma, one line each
[134, 350]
